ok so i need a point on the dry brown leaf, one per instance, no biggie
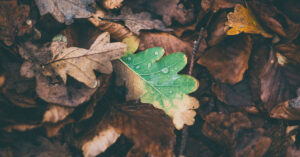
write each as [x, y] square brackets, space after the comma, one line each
[238, 95]
[217, 30]
[116, 30]
[267, 79]
[12, 19]
[243, 20]
[171, 9]
[288, 110]
[169, 42]
[227, 63]
[80, 63]
[215, 5]
[138, 21]
[2, 80]
[275, 20]
[149, 128]
[112, 4]
[65, 11]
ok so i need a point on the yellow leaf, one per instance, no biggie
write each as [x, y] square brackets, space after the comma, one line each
[132, 43]
[242, 20]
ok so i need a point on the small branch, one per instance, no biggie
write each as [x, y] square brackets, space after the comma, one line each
[194, 52]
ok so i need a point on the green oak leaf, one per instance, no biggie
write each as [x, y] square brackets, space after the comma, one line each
[161, 84]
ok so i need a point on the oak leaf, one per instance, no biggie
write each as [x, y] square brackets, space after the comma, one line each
[156, 81]
[80, 63]
[138, 21]
[243, 20]
[65, 11]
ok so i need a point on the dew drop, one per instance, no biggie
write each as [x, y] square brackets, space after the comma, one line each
[137, 67]
[165, 70]
[149, 65]
[170, 91]
[129, 58]
[156, 53]
[175, 68]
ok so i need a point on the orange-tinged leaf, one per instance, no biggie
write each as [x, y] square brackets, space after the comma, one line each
[242, 20]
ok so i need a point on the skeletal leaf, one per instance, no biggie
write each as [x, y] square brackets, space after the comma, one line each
[80, 63]
[242, 20]
[157, 82]
[138, 21]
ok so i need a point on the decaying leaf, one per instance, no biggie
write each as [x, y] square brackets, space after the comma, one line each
[171, 9]
[138, 21]
[268, 82]
[12, 19]
[243, 20]
[289, 110]
[227, 63]
[116, 30]
[215, 5]
[65, 11]
[80, 63]
[157, 82]
[149, 128]
[275, 20]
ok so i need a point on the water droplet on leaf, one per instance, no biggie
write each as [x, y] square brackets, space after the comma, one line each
[165, 70]
[156, 53]
[137, 67]
[149, 65]
[129, 58]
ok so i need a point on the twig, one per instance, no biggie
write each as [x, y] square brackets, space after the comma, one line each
[194, 52]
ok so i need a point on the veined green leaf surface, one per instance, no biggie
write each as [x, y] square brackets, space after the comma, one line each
[162, 85]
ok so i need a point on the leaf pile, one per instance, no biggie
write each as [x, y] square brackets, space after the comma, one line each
[140, 78]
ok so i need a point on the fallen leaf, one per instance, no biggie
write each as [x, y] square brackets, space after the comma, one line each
[65, 11]
[169, 42]
[223, 128]
[171, 9]
[2, 80]
[56, 113]
[290, 8]
[149, 128]
[238, 95]
[157, 82]
[116, 30]
[228, 63]
[80, 63]
[138, 21]
[275, 20]
[292, 151]
[112, 4]
[215, 5]
[12, 19]
[217, 31]
[269, 85]
[288, 110]
[243, 20]
[132, 43]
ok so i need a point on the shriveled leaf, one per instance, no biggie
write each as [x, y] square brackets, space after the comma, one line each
[158, 83]
[13, 21]
[228, 60]
[65, 11]
[149, 128]
[80, 63]
[243, 20]
[138, 21]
